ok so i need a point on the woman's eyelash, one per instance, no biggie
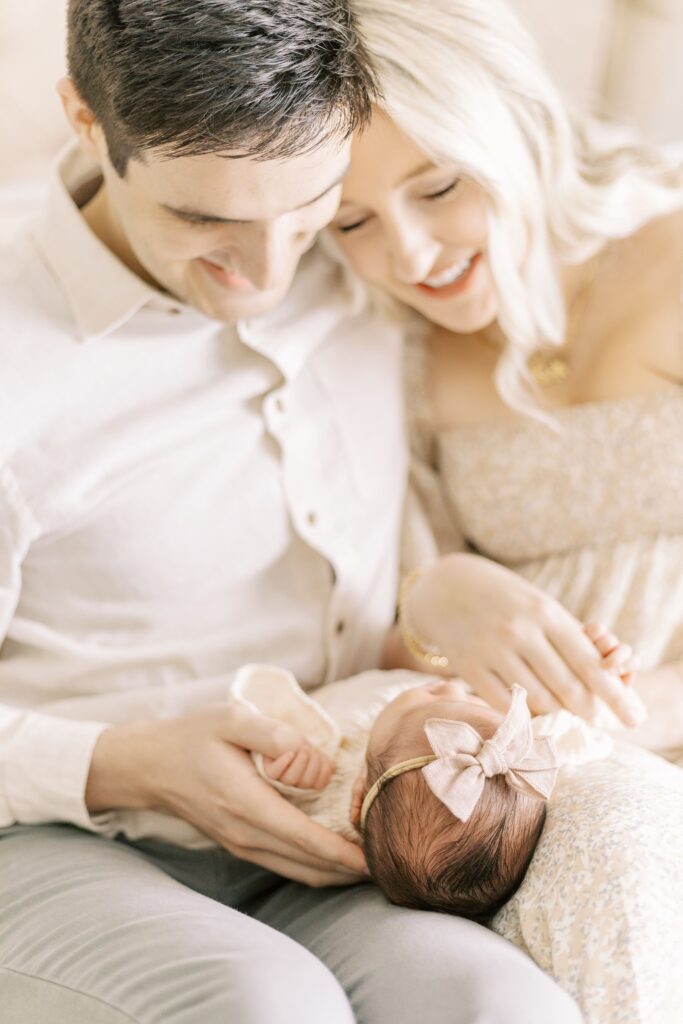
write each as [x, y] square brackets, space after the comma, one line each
[345, 228]
[444, 191]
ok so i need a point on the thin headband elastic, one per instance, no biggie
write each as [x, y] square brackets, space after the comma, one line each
[391, 773]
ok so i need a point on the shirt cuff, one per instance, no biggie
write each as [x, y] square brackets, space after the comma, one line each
[47, 762]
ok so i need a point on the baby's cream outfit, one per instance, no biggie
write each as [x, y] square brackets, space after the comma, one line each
[337, 719]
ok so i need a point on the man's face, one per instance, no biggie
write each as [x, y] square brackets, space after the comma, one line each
[223, 234]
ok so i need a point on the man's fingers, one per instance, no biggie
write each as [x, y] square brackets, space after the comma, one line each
[256, 840]
[298, 872]
[253, 731]
[270, 812]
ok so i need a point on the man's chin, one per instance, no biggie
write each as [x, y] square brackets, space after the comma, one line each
[239, 306]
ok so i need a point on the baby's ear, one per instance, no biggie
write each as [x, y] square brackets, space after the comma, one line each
[360, 788]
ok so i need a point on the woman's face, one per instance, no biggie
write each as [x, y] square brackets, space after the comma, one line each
[416, 229]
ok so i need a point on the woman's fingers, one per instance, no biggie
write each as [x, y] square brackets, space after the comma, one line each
[512, 669]
[616, 657]
[556, 673]
[581, 654]
[488, 685]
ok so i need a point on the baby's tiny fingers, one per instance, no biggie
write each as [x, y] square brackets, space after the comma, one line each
[275, 766]
[607, 643]
[629, 668]
[310, 775]
[594, 630]
[325, 772]
[618, 657]
[293, 775]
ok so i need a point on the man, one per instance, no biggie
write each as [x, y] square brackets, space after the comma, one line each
[201, 464]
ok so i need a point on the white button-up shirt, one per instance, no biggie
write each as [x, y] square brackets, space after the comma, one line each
[178, 496]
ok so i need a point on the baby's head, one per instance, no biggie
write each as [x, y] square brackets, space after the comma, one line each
[466, 850]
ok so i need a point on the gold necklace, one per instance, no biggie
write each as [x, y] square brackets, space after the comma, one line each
[552, 366]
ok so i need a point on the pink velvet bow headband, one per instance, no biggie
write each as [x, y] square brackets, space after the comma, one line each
[462, 761]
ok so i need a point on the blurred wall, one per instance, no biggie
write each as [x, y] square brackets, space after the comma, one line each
[620, 58]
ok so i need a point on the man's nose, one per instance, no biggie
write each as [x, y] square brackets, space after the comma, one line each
[275, 246]
[412, 253]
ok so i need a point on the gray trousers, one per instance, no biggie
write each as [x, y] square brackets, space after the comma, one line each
[94, 931]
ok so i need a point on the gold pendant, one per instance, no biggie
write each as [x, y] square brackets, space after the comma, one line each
[548, 368]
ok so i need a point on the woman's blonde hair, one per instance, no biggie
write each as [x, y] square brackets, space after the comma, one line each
[463, 79]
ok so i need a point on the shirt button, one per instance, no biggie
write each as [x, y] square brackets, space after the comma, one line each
[280, 405]
[340, 627]
[174, 311]
[312, 518]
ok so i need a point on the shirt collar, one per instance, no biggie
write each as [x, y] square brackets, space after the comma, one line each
[102, 292]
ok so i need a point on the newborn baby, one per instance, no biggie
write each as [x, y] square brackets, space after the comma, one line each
[445, 794]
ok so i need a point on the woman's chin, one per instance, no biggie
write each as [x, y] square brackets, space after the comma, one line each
[477, 316]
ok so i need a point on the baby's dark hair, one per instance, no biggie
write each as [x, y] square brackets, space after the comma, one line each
[421, 856]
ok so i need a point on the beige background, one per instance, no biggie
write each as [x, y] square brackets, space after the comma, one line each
[620, 58]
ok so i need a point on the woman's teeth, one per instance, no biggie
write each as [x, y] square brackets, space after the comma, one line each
[449, 276]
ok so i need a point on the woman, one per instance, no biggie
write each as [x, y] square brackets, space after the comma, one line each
[540, 258]
[543, 262]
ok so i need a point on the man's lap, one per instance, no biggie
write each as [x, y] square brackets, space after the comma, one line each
[155, 933]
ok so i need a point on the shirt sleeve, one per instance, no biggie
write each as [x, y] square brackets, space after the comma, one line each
[44, 760]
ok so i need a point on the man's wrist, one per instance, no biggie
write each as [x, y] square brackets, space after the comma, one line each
[117, 776]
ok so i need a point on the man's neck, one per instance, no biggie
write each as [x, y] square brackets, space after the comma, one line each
[99, 217]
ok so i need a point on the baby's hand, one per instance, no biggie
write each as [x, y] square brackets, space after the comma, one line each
[616, 657]
[306, 768]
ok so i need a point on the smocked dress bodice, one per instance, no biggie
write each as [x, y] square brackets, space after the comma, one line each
[591, 512]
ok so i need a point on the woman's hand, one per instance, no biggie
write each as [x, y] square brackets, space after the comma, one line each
[197, 767]
[497, 629]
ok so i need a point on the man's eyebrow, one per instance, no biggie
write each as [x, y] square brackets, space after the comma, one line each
[201, 216]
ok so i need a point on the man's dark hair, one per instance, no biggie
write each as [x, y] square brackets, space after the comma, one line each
[265, 78]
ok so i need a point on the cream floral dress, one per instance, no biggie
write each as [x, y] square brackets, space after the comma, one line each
[593, 515]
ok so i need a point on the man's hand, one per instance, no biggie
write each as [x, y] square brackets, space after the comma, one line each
[197, 767]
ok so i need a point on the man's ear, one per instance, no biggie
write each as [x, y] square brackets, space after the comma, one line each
[360, 788]
[82, 120]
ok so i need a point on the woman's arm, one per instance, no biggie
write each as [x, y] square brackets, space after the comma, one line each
[397, 655]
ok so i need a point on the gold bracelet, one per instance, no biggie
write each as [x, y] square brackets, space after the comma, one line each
[429, 655]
